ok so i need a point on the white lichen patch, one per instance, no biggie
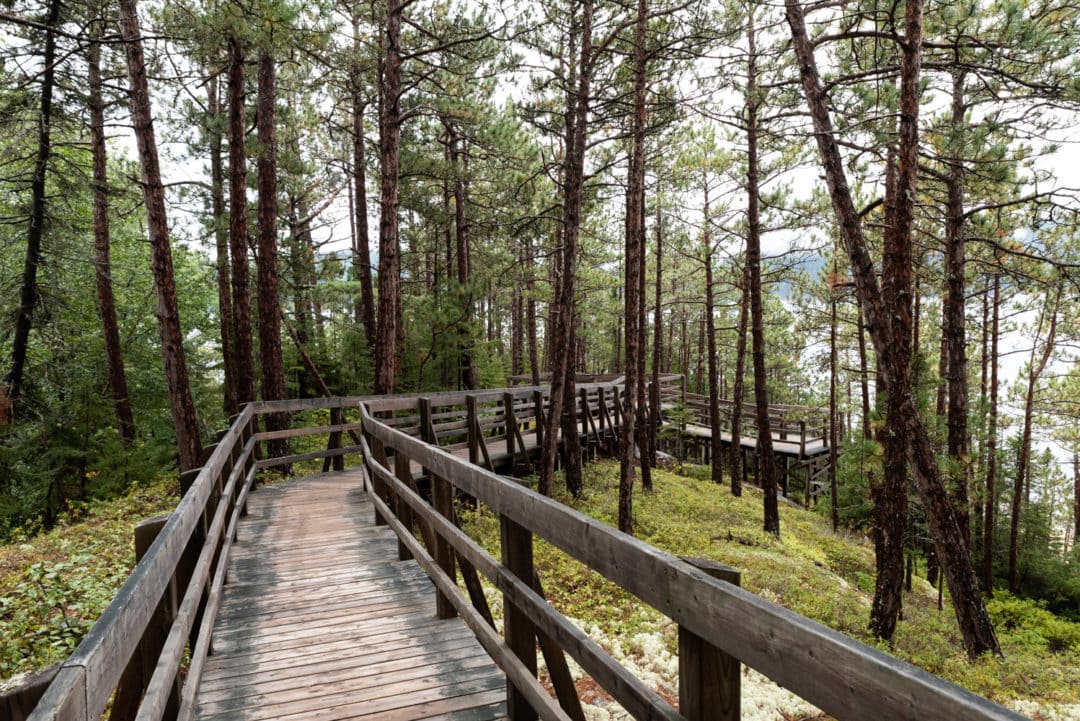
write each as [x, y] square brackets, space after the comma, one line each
[1046, 712]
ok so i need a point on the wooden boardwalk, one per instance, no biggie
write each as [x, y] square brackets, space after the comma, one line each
[319, 622]
[780, 446]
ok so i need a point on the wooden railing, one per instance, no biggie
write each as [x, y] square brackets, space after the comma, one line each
[718, 621]
[133, 654]
[146, 653]
[802, 425]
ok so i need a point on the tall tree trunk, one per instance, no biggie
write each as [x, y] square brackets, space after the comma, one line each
[1022, 487]
[890, 497]
[221, 246]
[991, 447]
[464, 260]
[864, 374]
[244, 362]
[715, 441]
[699, 371]
[185, 422]
[530, 312]
[114, 353]
[834, 437]
[28, 296]
[766, 459]
[738, 384]
[643, 335]
[658, 334]
[517, 321]
[389, 159]
[1076, 497]
[970, 610]
[956, 338]
[633, 414]
[979, 470]
[562, 311]
[365, 313]
[273, 373]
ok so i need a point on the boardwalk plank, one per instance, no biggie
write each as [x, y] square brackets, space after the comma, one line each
[320, 622]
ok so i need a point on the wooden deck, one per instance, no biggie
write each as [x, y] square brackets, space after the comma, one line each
[780, 446]
[319, 621]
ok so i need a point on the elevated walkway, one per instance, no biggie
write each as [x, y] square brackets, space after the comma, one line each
[301, 601]
[320, 621]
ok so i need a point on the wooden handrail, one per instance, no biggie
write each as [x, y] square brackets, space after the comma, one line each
[844, 677]
[85, 682]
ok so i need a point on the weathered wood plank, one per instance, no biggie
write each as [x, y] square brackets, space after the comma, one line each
[335, 627]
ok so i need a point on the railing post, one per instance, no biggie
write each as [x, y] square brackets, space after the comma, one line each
[401, 508]
[802, 439]
[442, 498]
[538, 411]
[16, 704]
[510, 424]
[517, 555]
[616, 410]
[471, 426]
[708, 677]
[601, 406]
[378, 453]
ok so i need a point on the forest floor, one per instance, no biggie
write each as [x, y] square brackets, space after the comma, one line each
[54, 585]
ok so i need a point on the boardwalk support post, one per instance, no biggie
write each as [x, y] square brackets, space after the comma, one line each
[708, 677]
[517, 555]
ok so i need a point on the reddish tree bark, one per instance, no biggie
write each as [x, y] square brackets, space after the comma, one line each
[389, 161]
[956, 337]
[185, 422]
[244, 362]
[365, 312]
[110, 330]
[273, 373]
[633, 415]
[890, 496]
[562, 311]
[971, 613]
[766, 459]
[464, 255]
[221, 246]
